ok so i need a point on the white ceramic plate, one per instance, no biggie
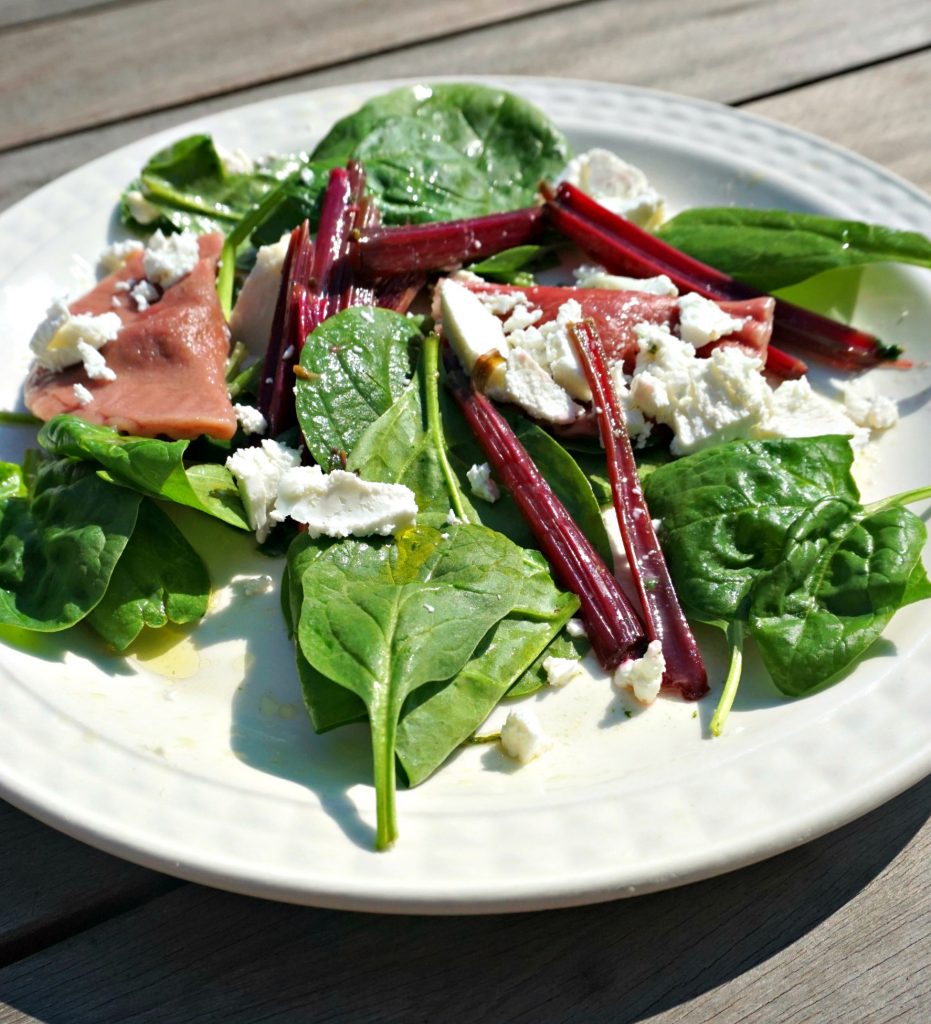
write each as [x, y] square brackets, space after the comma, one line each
[197, 759]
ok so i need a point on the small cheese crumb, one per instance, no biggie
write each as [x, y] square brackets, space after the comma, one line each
[576, 628]
[522, 736]
[140, 209]
[95, 365]
[482, 484]
[235, 161]
[429, 608]
[252, 586]
[702, 321]
[250, 419]
[561, 671]
[116, 254]
[144, 294]
[588, 276]
[644, 675]
[452, 518]
[82, 395]
[168, 258]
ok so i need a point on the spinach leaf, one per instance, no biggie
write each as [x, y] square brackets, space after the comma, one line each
[60, 544]
[159, 579]
[12, 484]
[448, 151]
[772, 249]
[842, 575]
[383, 620]
[516, 265]
[724, 513]
[148, 465]
[188, 188]
[355, 365]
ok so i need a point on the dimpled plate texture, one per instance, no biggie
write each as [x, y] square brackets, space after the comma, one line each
[195, 757]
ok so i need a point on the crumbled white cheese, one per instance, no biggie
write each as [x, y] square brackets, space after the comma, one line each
[168, 258]
[474, 332]
[588, 276]
[116, 254]
[95, 364]
[55, 343]
[252, 316]
[144, 294]
[482, 484]
[550, 346]
[644, 675]
[250, 419]
[704, 401]
[616, 185]
[252, 586]
[865, 406]
[257, 472]
[452, 518]
[576, 628]
[528, 385]
[140, 209]
[702, 321]
[235, 161]
[561, 671]
[82, 395]
[522, 736]
[795, 410]
[340, 504]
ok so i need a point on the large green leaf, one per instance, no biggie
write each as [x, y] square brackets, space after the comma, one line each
[153, 467]
[724, 513]
[842, 575]
[773, 249]
[355, 365]
[447, 151]
[59, 546]
[383, 620]
[159, 579]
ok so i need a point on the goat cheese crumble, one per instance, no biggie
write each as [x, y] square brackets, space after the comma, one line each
[257, 472]
[642, 676]
[562, 671]
[64, 338]
[168, 258]
[250, 419]
[522, 735]
[616, 185]
[482, 484]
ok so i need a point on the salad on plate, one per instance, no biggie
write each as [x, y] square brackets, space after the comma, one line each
[504, 420]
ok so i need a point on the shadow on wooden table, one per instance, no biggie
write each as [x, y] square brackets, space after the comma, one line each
[194, 954]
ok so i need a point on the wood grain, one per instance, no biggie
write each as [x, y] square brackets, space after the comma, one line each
[842, 102]
[51, 886]
[823, 933]
[102, 65]
[881, 112]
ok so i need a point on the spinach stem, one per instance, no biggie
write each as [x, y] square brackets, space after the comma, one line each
[226, 275]
[905, 498]
[431, 368]
[735, 639]
[383, 752]
[25, 419]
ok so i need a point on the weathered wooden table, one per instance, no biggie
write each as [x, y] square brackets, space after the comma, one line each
[839, 929]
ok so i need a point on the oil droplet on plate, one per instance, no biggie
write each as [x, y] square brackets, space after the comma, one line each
[168, 652]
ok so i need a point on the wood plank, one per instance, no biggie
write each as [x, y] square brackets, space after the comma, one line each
[22, 12]
[105, 65]
[834, 931]
[102, 66]
[52, 886]
[881, 112]
[508, 47]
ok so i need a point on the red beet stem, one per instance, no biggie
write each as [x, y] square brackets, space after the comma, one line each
[624, 248]
[382, 252]
[613, 627]
[781, 366]
[663, 615]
